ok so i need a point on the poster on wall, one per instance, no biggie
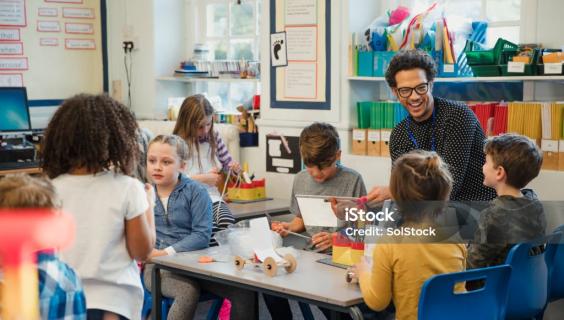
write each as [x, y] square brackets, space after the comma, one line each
[65, 1]
[13, 63]
[47, 12]
[48, 26]
[9, 34]
[79, 28]
[304, 82]
[78, 13]
[15, 48]
[80, 44]
[49, 42]
[11, 80]
[283, 154]
[12, 13]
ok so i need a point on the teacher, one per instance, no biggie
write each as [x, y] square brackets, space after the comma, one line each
[446, 127]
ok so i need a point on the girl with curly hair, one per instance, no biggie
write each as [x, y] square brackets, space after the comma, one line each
[90, 151]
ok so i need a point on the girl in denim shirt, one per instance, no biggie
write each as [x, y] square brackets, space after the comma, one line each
[183, 219]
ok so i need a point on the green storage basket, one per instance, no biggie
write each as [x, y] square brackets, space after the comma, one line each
[530, 68]
[476, 55]
[486, 71]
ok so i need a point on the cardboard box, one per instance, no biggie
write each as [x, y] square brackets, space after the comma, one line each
[373, 142]
[550, 154]
[385, 142]
[359, 142]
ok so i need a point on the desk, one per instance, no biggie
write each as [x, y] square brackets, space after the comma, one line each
[26, 170]
[312, 282]
[258, 209]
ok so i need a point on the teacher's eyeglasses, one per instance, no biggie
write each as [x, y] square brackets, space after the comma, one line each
[405, 92]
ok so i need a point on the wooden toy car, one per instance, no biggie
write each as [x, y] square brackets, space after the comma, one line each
[269, 265]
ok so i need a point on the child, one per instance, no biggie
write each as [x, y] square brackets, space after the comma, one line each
[207, 154]
[319, 148]
[90, 151]
[183, 219]
[60, 292]
[516, 215]
[401, 265]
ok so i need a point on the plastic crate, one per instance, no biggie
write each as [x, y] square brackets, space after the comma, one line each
[477, 56]
[540, 63]
[530, 68]
[486, 71]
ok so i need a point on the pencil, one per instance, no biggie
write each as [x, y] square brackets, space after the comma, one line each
[299, 235]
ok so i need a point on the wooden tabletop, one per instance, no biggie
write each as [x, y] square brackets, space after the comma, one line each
[26, 170]
[311, 280]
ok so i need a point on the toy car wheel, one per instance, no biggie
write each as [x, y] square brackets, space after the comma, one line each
[292, 263]
[239, 263]
[269, 267]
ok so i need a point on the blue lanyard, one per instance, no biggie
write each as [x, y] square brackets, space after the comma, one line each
[412, 137]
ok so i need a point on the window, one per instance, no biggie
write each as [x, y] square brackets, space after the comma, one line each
[231, 30]
[503, 16]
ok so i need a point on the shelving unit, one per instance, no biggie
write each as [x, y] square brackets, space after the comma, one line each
[188, 79]
[356, 15]
[472, 79]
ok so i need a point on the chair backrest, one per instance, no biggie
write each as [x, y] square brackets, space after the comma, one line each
[439, 301]
[528, 284]
[556, 268]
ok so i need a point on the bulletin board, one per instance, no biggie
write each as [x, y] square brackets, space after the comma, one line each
[304, 83]
[54, 48]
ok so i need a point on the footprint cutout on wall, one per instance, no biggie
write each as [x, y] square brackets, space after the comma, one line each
[277, 47]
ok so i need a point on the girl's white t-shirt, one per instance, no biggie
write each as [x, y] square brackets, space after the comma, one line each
[193, 168]
[101, 204]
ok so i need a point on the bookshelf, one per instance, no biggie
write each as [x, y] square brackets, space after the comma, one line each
[471, 79]
[189, 80]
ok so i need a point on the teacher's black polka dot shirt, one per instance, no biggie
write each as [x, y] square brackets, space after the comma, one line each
[459, 140]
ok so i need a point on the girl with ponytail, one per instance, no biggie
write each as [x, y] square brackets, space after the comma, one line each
[420, 185]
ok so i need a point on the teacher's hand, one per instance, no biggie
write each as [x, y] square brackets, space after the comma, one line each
[378, 194]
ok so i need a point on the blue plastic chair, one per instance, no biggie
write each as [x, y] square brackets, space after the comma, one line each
[439, 301]
[528, 284]
[556, 270]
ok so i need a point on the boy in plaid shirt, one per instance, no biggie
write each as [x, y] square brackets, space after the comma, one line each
[60, 293]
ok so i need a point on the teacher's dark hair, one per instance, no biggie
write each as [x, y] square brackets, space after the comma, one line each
[408, 60]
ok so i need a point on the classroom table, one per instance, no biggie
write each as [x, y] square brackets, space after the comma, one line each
[273, 207]
[312, 282]
[31, 171]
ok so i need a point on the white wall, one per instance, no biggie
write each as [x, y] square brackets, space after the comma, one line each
[158, 29]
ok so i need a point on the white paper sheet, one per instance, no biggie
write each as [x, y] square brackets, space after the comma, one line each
[316, 211]
[260, 231]
[265, 253]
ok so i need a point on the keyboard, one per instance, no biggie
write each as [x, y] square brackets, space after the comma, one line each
[18, 165]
